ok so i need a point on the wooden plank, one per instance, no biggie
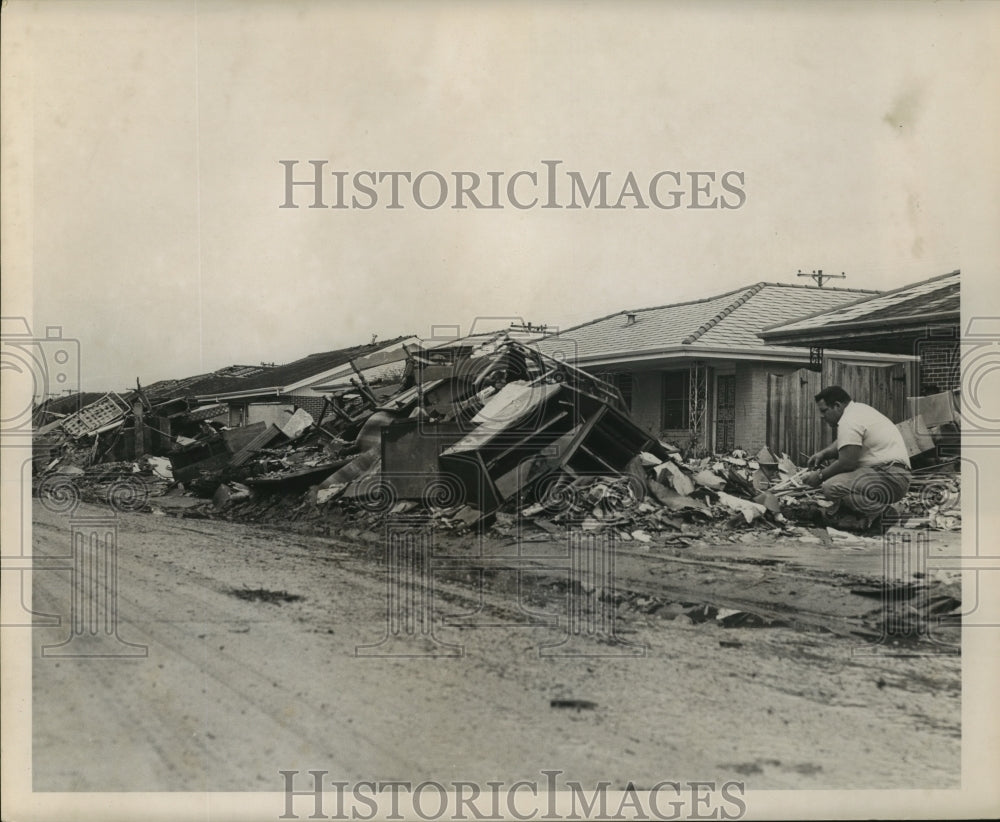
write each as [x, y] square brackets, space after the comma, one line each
[793, 426]
[791, 403]
[821, 433]
[882, 387]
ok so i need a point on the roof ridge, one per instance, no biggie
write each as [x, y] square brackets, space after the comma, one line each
[729, 309]
[825, 288]
[653, 308]
[758, 285]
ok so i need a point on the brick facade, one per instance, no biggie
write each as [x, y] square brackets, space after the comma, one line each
[314, 405]
[647, 408]
[939, 366]
[646, 392]
[752, 401]
[751, 405]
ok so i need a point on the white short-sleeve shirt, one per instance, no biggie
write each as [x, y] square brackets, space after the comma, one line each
[877, 435]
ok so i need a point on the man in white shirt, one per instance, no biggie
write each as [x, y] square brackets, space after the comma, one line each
[870, 468]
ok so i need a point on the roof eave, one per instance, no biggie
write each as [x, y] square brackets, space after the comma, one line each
[768, 353]
[879, 295]
[273, 391]
[833, 328]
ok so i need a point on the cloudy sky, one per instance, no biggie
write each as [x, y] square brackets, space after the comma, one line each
[143, 177]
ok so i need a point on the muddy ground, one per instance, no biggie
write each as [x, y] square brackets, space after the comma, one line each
[754, 660]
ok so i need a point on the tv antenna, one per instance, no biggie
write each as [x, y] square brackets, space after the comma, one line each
[820, 277]
[528, 327]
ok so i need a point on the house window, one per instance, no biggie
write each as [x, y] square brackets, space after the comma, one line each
[621, 380]
[675, 402]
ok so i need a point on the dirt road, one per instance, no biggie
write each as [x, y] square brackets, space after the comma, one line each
[252, 667]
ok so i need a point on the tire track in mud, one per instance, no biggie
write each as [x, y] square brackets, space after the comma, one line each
[284, 687]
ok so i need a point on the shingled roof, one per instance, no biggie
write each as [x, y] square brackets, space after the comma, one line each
[935, 300]
[277, 378]
[729, 321]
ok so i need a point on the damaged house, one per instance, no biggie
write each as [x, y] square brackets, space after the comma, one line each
[466, 433]
[380, 371]
[209, 417]
[273, 393]
[699, 375]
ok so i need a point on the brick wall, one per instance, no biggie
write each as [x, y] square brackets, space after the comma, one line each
[314, 405]
[751, 402]
[939, 366]
[646, 394]
[751, 405]
[647, 408]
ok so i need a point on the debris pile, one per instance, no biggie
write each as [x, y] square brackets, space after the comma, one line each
[934, 500]
[126, 486]
[494, 435]
[934, 422]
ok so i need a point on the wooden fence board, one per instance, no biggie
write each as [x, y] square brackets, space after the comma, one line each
[793, 425]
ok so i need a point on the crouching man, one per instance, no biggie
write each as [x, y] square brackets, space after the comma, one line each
[870, 468]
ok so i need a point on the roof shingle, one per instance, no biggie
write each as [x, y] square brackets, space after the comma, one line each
[281, 376]
[936, 296]
[730, 320]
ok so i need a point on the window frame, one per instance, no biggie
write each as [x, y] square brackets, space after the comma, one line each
[676, 401]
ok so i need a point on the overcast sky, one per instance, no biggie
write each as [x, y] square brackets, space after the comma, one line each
[147, 180]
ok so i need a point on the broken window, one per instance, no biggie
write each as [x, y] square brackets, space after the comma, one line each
[675, 396]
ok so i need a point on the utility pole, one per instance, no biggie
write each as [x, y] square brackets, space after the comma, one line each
[820, 277]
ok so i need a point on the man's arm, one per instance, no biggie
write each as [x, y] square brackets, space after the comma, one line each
[828, 453]
[848, 459]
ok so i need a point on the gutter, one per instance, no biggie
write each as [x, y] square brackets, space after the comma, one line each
[765, 353]
[236, 395]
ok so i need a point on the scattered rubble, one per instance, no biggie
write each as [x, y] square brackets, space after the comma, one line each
[500, 436]
[500, 440]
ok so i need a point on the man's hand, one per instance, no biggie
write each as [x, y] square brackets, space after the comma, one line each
[815, 459]
[813, 479]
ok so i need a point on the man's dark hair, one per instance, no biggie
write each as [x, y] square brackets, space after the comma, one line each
[832, 394]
